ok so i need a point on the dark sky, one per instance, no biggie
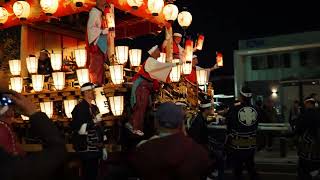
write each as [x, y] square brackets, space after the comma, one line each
[225, 22]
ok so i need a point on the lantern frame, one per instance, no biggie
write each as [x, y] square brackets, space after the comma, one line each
[15, 67]
[47, 107]
[116, 73]
[16, 84]
[81, 57]
[155, 6]
[170, 12]
[58, 80]
[202, 76]
[37, 82]
[135, 57]
[68, 106]
[21, 9]
[4, 15]
[56, 61]
[32, 64]
[102, 101]
[49, 7]
[122, 54]
[83, 76]
[116, 105]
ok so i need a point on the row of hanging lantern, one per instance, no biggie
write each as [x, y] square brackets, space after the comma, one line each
[22, 9]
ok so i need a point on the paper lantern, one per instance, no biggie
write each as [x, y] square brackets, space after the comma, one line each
[202, 76]
[116, 103]
[155, 6]
[187, 67]
[135, 4]
[184, 19]
[49, 6]
[58, 80]
[79, 3]
[189, 50]
[25, 118]
[135, 56]
[15, 67]
[116, 73]
[56, 61]
[69, 106]
[170, 12]
[21, 9]
[200, 42]
[219, 59]
[32, 64]
[37, 82]
[81, 57]
[83, 76]
[175, 73]
[101, 101]
[3, 15]
[122, 54]
[162, 57]
[110, 20]
[47, 107]
[16, 84]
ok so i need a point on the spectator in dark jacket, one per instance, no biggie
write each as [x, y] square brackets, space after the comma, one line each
[39, 165]
[170, 155]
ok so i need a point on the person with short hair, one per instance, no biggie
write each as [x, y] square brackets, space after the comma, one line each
[44, 63]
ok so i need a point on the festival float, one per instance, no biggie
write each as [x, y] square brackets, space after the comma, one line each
[60, 26]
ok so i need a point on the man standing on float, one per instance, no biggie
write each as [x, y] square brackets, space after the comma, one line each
[97, 42]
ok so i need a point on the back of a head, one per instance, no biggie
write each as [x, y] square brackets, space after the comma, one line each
[246, 95]
[170, 116]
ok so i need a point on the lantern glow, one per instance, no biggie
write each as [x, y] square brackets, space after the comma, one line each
[3, 15]
[21, 9]
[81, 57]
[184, 19]
[16, 84]
[170, 12]
[58, 80]
[122, 54]
[116, 73]
[37, 82]
[155, 6]
[32, 64]
[135, 4]
[175, 73]
[101, 101]
[116, 103]
[189, 50]
[202, 77]
[111, 21]
[47, 107]
[83, 76]
[135, 56]
[15, 67]
[56, 61]
[69, 106]
[79, 3]
[162, 57]
[49, 6]
[187, 67]
[219, 59]
[200, 42]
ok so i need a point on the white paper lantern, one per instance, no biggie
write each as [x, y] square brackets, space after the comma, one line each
[184, 19]
[170, 12]
[202, 76]
[175, 73]
[79, 3]
[25, 118]
[81, 57]
[69, 106]
[21, 9]
[56, 61]
[101, 101]
[189, 50]
[116, 103]
[135, 57]
[155, 6]
[32, 64]
[135, 4]
[16, 84]
[37, 82]
[3, 15]
[116, 73]
[49, 6]
[47, 107]
[83, 76]
[122, 54]
[15, 67]
[187, 67]
[200, 42]
[162, 57]
[58, 80]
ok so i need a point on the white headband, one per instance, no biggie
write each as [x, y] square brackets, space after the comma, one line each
[86, 88]
[246, 94]
[310, 99]
[194, 56]
[206, 105]
[177, 34]
[181, 104]
[153, 49]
